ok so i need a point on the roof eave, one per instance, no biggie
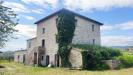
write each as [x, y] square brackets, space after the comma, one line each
[71, 12]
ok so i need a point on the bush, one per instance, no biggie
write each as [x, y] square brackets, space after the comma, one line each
[94, 55]
[126, 60]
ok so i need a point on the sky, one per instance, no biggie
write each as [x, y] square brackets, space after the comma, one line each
[116, 15]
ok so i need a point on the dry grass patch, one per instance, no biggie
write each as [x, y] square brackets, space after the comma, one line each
[19, 69]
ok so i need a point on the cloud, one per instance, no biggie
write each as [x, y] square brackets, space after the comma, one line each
[14, 46]
[27, 17]
[117, 40]
[16, 7]
[38, 11]
[26, 30]
[52, 3]
[107, 27]
[122, 26]
[97, 5]
[126, 26]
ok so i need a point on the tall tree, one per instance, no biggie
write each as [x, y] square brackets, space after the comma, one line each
[8, 21]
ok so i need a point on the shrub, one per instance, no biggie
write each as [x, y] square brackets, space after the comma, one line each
[94, 55]
[126, 60]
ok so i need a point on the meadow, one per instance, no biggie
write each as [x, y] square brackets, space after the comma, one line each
[12, 68]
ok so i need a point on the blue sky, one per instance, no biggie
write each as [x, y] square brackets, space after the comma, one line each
[117, 16]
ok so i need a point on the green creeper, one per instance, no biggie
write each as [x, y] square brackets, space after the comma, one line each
[66, 28]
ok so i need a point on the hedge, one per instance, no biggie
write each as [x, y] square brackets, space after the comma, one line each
[93, 56]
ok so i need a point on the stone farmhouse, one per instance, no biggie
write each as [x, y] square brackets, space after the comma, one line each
[42, 50]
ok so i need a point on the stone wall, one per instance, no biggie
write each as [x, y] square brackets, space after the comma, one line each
[112, 63]
[49, 37]
[83, 32]
[75, 58]
[32, 60]
[130, 50]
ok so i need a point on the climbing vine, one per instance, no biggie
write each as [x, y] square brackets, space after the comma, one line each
[66, 27]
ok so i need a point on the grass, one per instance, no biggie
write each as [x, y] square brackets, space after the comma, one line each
[12, 68]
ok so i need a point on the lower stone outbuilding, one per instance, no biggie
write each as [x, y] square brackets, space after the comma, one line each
[20, 56]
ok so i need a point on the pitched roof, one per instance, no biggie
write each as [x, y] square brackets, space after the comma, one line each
[31, 38]
[21, 51]
[76, 14]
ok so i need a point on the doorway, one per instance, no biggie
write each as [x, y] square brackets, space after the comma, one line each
[47, 60]
[24, 58]
[56, 60]
[35, 58]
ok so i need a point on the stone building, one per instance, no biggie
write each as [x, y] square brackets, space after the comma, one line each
[42, 50]
[20, 56]
[130, 50]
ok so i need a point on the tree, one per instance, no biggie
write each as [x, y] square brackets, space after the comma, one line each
[8, 21]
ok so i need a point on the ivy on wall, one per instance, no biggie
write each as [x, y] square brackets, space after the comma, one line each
[66, 27]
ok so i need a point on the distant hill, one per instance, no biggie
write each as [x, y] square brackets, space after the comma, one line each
[122, 47]
[7, 54]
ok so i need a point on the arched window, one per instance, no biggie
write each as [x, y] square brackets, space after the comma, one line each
[43, 43]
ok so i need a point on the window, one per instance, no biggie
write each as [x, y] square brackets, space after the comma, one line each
[43, 43]
[42, 57]
[43, 30]
[56, 20]
[75, 22]
[93, 41]
[24, 58]
[29, 44]
[92, 27]
[18, 57]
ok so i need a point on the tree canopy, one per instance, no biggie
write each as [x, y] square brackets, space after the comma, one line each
[8, 21]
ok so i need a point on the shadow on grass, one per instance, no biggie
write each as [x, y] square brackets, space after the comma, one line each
[2, 66]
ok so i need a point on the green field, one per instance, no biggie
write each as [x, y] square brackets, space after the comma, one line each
[12, 68]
